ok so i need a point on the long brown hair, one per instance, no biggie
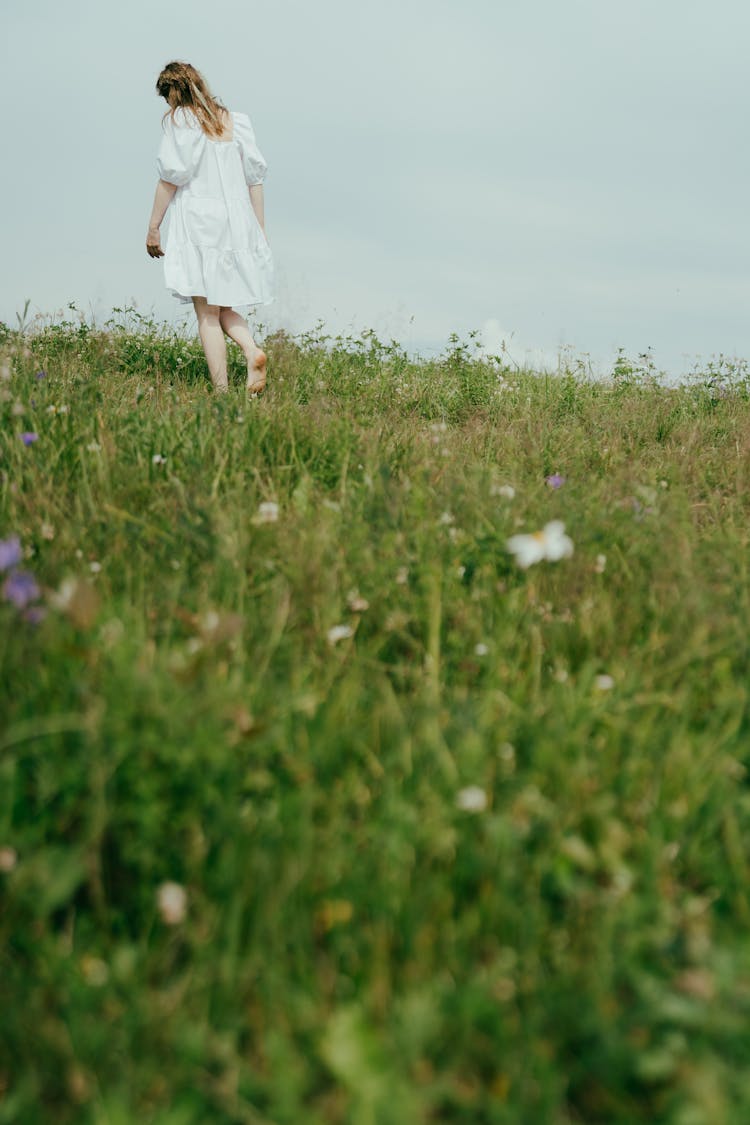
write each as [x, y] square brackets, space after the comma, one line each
[184, 87]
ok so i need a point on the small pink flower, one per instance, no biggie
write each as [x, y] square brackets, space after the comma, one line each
[8, 859]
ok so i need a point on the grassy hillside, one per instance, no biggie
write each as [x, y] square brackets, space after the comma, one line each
[315, 805]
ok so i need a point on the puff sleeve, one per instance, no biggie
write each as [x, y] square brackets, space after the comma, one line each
[181, 149]
[253, 164]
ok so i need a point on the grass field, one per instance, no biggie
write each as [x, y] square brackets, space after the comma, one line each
[315, 805]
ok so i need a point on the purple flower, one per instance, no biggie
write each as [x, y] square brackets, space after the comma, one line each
[555, 481]
[10, 552]
[20, 588]
[35, 614]
[29, 437]
[42, 374]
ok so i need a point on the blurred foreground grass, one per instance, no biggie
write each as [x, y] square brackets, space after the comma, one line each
[314, 806]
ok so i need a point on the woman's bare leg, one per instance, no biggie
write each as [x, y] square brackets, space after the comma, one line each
[214, 344]
[237, 329]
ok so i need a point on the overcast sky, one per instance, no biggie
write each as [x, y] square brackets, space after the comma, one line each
[554, 173]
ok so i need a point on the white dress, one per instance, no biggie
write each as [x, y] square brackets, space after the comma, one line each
[215, 247]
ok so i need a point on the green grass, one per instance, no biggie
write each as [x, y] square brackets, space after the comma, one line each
[357, 947]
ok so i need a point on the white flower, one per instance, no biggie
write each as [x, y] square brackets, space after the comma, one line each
[604, 683]
[356, 603]
[94, 447]
[600, 564]
[472, 799]
[507, 491]
[402, 576]
[171, 900]
[339, 633]
[268, 512]
[158, 459]
[551, 543]
[481, 649]
[446, 519]
[95, 567]
[63, 597]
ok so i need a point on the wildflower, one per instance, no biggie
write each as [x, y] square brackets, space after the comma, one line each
[507, 491]
[78, 600]
[34, 614]
[171, 900]
[481, 649]
[555, 480]
[268, 512]
[446, 519]
[600, 564]
[356, 603]
[20, 588]
[551, 543]
[472, 799]
[48, 531]
[339, 633]
[95, 567]
[8, 859]
[158, 459]
[94, 447]
[41, 374]
[604, 683]
[10, 552]
[402, 576]
[28, 437]
[95, 971]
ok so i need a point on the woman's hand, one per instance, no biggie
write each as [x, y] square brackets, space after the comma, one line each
[153, 243]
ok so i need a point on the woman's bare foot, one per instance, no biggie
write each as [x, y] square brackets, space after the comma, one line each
[256, 373]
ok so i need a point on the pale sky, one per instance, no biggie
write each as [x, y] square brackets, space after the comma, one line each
[552, 173]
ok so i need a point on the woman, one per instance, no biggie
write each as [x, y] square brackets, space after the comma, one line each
[216, 254]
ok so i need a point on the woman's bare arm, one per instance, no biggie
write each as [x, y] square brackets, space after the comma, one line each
[162, 198]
